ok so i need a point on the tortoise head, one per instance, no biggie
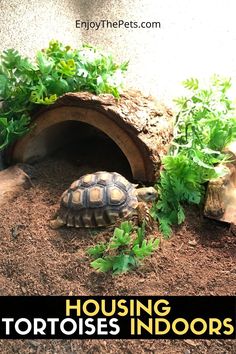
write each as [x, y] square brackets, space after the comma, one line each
[146, 194]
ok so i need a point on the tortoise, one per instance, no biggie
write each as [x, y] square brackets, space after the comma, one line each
[99, 199]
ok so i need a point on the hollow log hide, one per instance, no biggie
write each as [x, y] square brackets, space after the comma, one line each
[139, 125]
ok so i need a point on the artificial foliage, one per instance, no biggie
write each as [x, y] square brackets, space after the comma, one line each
[124, 251]
[205, 125]
[58, 69]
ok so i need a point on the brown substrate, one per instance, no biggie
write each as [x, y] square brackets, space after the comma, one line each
[198, 260]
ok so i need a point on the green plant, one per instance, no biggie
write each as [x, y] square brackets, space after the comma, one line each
[124, 251]
[56, 70]
[204, 125]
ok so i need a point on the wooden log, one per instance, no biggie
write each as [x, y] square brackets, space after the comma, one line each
[139, 125]
[220, 201]
[13, 181]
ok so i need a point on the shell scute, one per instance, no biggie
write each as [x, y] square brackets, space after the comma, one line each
[87, 180]
[77, 198]
[121, 181]
[116, 196]
[104, 178]
[96, 197]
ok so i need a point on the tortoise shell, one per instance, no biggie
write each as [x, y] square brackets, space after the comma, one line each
[97, 200]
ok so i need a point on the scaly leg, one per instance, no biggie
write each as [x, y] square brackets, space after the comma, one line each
[56, 223]
[144, 216]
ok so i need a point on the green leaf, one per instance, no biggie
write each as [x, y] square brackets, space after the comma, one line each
[126, 226]
[140, 234]
[103, 264]
[11, 130]
[200, 163]
[118, 233]
[209, 151]
[165, 226]
[191, 84]
[181, 102]
[67, 67]
[58, 87]
[49, 100]
[124, 65]
[97, 251]
[123, 263]
[45, 64]
[120, 238]
[10, 58]
[3, 122]
[3, 85]
[38, 98]
[180, 215]
[25, 66]
[146, 248]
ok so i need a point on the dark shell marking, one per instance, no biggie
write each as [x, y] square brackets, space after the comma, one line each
[97, 200]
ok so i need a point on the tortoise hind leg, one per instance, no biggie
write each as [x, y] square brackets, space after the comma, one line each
[56, 223]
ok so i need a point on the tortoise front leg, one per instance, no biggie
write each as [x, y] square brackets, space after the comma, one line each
[144, 216]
